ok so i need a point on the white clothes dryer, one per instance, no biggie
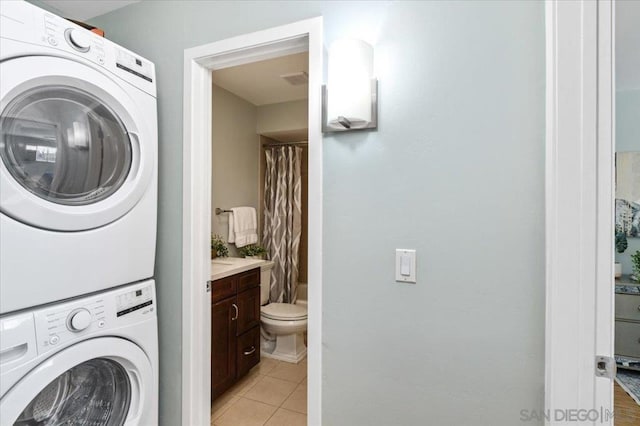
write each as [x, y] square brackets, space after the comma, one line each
[91, 360]
[78, 160]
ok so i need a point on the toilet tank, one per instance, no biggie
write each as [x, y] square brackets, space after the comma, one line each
[265, 281]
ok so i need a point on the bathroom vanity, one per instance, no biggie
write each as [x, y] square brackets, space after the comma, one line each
[627, 327]
[235, 317]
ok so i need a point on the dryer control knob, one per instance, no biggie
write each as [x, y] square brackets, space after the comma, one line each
[78, 320]
[78, 39]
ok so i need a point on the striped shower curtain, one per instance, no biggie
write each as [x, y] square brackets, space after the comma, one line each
[282, 220]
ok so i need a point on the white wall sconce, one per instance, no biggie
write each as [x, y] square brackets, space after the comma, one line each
[350, 98]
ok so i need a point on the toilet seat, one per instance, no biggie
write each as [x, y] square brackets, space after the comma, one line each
[284, 311]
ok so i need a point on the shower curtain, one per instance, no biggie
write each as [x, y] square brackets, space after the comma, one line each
[282, 220]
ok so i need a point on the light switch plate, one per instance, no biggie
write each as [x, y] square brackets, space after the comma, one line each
[406, 266]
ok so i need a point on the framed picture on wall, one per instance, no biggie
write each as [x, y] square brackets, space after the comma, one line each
[628, 193]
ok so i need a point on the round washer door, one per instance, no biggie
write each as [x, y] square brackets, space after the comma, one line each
[104, 381]
[76, 152]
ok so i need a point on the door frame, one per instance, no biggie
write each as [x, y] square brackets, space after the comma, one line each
[199, 62]
[579, 204]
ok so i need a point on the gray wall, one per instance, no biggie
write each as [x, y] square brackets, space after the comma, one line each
[235, 153]
[47, 7]
[628, 139]
[283, 117]
[455, 170]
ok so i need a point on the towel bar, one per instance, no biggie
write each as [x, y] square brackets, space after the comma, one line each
[220, 211]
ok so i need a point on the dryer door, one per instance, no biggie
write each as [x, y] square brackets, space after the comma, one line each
[104, 381]
[76, 151]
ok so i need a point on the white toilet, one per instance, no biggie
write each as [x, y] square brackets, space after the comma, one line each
[283, 322]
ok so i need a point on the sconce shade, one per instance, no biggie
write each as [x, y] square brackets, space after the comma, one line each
[351, 102]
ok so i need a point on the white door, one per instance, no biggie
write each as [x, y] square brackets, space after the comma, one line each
[102, 381]
[579, 212]
[75, 152]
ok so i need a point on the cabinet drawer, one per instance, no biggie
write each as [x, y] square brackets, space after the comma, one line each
[223, 288]
[248, 279]
[628, 307]
[628, 339]
[248, 350]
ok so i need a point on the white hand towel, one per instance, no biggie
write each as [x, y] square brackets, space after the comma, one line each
[243, 226]
[232, 234]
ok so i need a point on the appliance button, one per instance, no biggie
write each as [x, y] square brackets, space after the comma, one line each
[78, 39]
[101, 323]
[52, 41]
[79, 320]
[54, 339]
[101, 61]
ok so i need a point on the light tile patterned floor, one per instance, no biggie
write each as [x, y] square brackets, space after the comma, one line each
[273, 393]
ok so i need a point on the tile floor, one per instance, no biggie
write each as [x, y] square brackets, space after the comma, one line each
[273, 393]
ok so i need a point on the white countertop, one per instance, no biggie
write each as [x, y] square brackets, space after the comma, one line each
[222, 267]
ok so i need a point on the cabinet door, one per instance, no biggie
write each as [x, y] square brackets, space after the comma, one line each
[248, 310]
[628, 339]
[628, 307]
[223, 346]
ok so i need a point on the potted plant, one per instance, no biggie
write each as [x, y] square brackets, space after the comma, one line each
[635, 261]
[252, 251]
[621, 246]
[218, 247]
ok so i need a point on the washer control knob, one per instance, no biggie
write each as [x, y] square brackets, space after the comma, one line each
[78, 39]
[78, 320]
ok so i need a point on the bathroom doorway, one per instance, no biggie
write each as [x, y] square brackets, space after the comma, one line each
[197, 219]
[259, 153]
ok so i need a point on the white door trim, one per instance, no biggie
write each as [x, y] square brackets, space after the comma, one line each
[196, 308]
[579, 204]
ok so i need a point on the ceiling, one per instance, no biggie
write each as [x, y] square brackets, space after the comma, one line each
[260, 83]
[627, 45]
[86, 9]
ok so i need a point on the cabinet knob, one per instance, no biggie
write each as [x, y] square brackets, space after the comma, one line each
[639, 307]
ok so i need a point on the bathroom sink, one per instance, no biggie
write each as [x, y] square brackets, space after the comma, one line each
[221, 268]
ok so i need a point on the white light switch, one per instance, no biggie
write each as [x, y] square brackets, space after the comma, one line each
[406, 265]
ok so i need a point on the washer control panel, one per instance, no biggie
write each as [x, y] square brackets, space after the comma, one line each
[62, 34]
[59, 32]
[64, 323]
[26, 23]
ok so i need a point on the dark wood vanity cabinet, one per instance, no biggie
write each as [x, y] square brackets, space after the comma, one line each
[235, 328]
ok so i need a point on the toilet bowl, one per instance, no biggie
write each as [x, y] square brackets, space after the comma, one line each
[283, 322]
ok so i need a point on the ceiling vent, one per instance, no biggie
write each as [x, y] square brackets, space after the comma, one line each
[296, 78]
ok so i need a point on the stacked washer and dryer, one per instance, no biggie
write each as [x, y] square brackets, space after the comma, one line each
[78, 207]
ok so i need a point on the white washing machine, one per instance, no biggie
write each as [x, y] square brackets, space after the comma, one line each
[90, 361]
[78, 160]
